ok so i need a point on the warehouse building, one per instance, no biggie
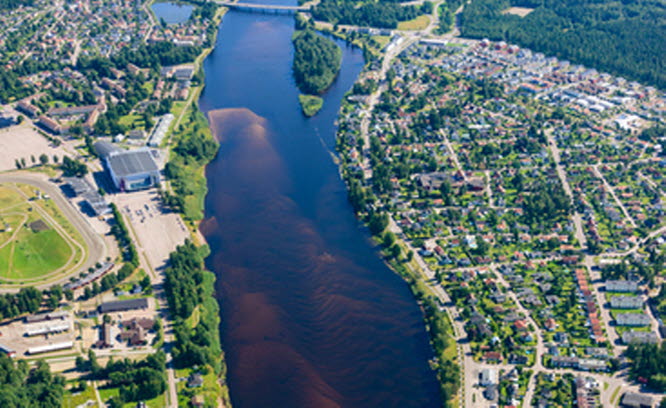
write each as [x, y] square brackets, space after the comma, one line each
[130, 170]
[51, 347]
[123, 305]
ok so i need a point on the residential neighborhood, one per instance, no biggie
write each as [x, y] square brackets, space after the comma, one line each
[529, 189]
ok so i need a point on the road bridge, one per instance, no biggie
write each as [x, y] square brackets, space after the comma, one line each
[264, 8]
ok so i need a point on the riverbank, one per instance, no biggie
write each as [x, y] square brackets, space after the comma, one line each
[310, 315]
[404, 261]
[188, 123]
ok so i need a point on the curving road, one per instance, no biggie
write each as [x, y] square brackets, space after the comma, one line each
[94, 243]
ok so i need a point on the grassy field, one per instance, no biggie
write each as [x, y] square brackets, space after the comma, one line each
[419, 23]
[310, 104]
[382, 40]
[75, 399]
[36, 239]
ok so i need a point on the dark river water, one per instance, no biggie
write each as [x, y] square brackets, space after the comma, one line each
[310, 315]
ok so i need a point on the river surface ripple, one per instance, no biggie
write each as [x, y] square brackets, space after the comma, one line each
[311, 317]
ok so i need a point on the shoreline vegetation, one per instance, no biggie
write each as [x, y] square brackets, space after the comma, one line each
[190, 288]
[310, 104]
[316, 64]
[394, 252]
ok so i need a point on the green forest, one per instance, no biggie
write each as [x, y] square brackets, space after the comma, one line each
[22, 387]
[316, 61]
[188, 288]
[12, 4]
[649, 363]
[384, 14]
[623, 38]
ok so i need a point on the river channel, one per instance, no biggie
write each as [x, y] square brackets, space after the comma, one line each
[311, 317]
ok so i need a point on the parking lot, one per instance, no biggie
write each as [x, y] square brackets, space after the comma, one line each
[158, 231]
[14, 335]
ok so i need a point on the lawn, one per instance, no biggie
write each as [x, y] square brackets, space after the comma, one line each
[36, 252]
[382, 40]
[107, 393]
[32, 243]
[132, 121]
[73, 400]
[419, 23]
[210, 389]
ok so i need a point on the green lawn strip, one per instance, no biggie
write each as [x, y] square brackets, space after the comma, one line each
[310, 104]
[77, 398]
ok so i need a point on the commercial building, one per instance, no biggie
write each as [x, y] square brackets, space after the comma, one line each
[51, 347]
[56, 328]
[130, 170]
[636, 400]
[7, 350]
[92, 197]
[160, 130]
[43, 317]
[123, 305]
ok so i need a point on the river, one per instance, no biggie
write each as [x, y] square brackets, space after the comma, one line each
[311, 317]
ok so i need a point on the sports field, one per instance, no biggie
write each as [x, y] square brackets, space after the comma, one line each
[37, 241]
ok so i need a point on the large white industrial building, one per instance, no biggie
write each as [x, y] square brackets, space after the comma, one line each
[130, 170]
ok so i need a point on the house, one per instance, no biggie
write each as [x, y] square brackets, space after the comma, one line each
[626, 302]
[493, 356]
[632, 319]
[621, 286]
[636, 400]
[518, 359]
[591, 364]
[564, 361]
[195, 380]
[550, 324]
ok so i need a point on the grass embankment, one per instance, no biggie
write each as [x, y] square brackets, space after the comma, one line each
[419, 23]
[310, 104]
[439, 329]
[194, 148]
[190, 292]
[438, 324]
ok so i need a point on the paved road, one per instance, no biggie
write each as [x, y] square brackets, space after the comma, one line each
[611, 190]
[157, 280]
[95, 244]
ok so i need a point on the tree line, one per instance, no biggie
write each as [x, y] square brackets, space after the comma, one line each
[13, 4]
[385, 14]
[623, 38]
[136, 380]
[22, 387]
[189, 286]
[316, 61]
[648, 364]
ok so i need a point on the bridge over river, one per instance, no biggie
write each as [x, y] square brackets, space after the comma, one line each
[264, 8]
